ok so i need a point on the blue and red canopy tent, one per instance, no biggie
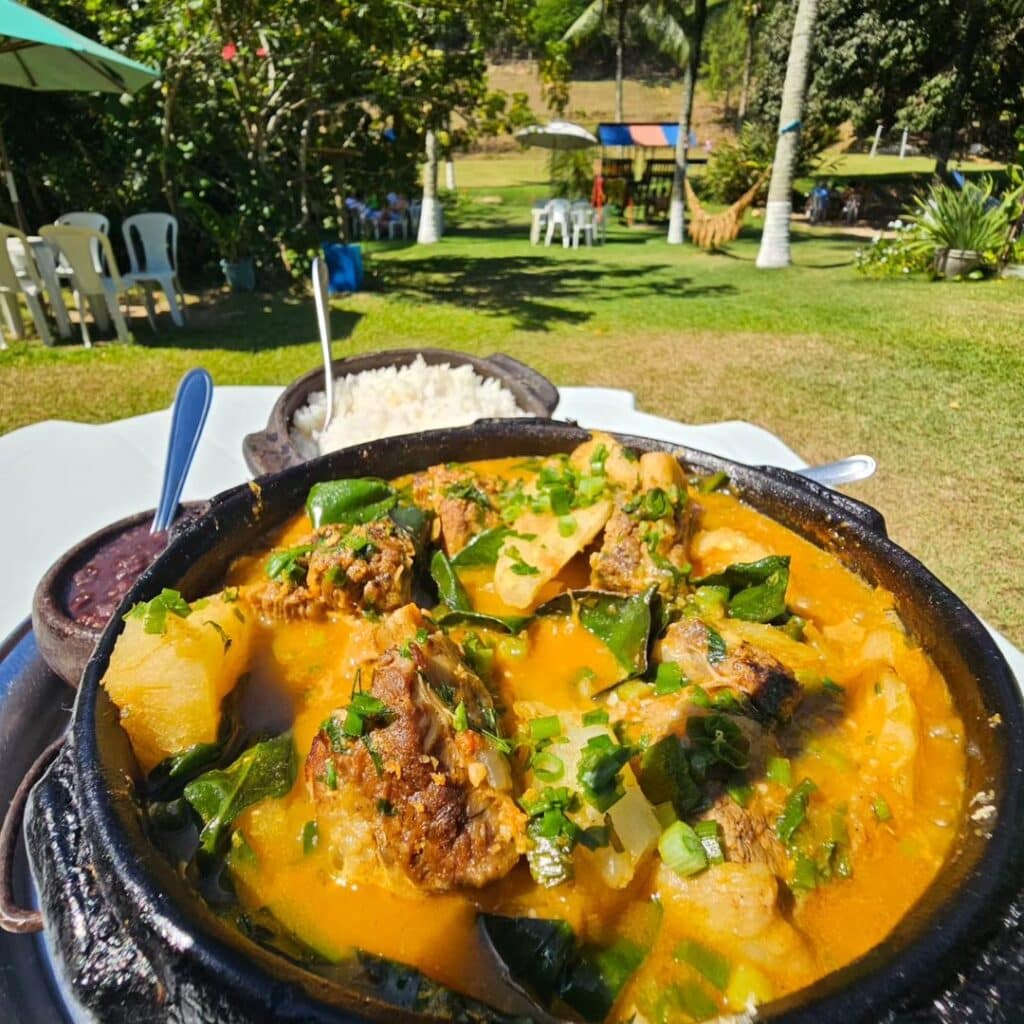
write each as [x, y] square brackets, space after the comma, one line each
[647, 186]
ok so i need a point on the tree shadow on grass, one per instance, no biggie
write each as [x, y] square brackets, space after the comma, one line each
[537, 293]
[246, 323]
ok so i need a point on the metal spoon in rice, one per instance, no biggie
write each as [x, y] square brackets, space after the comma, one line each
[321, 295]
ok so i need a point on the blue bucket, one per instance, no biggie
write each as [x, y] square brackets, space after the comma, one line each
[344, 267]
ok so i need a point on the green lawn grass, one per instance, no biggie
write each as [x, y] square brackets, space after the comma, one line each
[924, 376]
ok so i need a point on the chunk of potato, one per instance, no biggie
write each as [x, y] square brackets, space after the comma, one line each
[659, 469]
[524, 566]
[620, 469]
[169, 686]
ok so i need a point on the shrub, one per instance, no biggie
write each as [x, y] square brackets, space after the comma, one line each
[969, 218]
[734, 166]
[897, 256]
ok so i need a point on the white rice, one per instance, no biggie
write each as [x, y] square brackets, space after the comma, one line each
[389, 401]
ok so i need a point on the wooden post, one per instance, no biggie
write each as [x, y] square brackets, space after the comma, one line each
[903, 143]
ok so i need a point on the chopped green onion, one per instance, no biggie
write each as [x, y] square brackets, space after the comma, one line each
[669, 679]
[715, 967]
[545, 728]
[461, 720]
[740, 793]
[794, 627]
[831, 686]
[710, 839]
[699, 696]
[596, 717]
[681, 849]
[795, 811]
[716, 647]
[779, 771]
[685, 1000]
[881, 809]
[567, 526]
[666, 814]
[547, 767]
[331, 775]
[805, 874]
[708, 484]
[385, 808]
[353, 725]
[310, 837]
[710, 601]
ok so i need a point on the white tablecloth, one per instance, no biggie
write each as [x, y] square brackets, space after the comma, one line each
[64, 480]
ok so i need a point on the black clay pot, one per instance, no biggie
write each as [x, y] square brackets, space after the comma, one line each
[135, 943]
[271, 450]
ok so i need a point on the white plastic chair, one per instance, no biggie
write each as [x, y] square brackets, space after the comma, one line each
[156, 266]
[582, 224]
[558, 211]
[601, 225]
[83, 219]
[19, 276]
[415, 209]
[398, 225]
[538, 221]
[77, 246]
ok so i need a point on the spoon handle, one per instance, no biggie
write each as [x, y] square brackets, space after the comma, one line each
[191, 404]
[321, 293]
[842, 471]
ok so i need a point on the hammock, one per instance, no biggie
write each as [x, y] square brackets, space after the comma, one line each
[710, 231]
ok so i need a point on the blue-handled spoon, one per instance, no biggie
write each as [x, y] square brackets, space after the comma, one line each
[188, 417]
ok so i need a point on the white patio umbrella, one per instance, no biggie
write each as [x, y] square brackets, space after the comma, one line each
[558, 135]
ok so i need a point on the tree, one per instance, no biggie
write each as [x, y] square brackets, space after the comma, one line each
[677, 200]
[727, 40]
[593, 20]
[774, 251]
[657, 22]
[950, 71]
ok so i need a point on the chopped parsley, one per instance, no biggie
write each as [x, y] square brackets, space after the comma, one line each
[154, 613]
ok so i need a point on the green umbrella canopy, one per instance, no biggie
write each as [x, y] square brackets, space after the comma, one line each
[38, 53]
[41, 54]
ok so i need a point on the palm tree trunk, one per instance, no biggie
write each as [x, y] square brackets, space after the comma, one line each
[677, 201]
[620, 41]
[430, 214]
[774, 251]
[748, 63]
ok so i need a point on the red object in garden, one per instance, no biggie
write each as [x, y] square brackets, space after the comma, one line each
[597, 196]
[262, 52]
[229, 52]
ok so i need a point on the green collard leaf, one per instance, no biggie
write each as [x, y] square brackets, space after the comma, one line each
[757, 589]
[501, 623]
[622, 623]
[361, 500]
[449, 586]
[265, 770]
[544, 958]
[415, 522]
[483, 548]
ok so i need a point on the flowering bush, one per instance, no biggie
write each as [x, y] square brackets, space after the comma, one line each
[896, 255]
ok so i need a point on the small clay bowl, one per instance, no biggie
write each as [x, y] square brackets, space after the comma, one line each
[64, 643]
[271, 450]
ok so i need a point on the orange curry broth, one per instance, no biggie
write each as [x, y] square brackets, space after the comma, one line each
[303, 671]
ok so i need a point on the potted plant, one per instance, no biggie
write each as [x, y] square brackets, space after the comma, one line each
[964, 227]
[230, 232]
[1014, 266]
